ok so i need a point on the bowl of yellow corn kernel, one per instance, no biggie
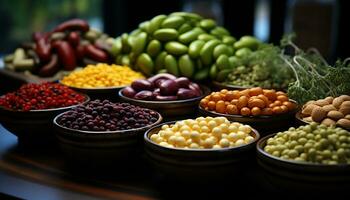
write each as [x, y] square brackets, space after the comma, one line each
[204, 141]
[101, 80]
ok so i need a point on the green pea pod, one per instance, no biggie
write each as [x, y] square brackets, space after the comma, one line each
[125, 60]
[156, 22]
[126, 48]
[229, 40]
[206, 37]
[145, 63]
[206, 52]
[173, 22]
[176, 48]
[165, 34]
[160, 60]
[213, 72]
[190, 36]
[171, 65]
[153, 48]
[195, 48]
[144, 26]
[243, 52]
[221, 49]
[222, 75]
[138, 43]
[135, 32]
[202, 74]
[247, 42]
[207, 24]
[117, 46]
[223, 62]
[219, 31]
[184, 28]
[187, 15]
[234, 61]
[186, 66]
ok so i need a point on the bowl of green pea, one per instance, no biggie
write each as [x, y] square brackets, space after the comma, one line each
[308, 152]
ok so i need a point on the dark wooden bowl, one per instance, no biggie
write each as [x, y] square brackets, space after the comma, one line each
[264, 124]
[170, 108]
[300, 170]
[35, 126]
[100, 148]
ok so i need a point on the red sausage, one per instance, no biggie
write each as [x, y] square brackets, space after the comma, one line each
[74, 38]
[73, 24]
[43, 49]
[50, 68]
[66, 54]
[97, 54]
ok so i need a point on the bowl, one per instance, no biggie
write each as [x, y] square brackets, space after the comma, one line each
[100, 148]
[196, 164]
[35, 126]
[300, 170]
[177, 108]
[265, 124]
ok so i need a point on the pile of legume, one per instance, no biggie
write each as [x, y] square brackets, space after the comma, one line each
[253, 101]
[200, 133]
[311, 143]
[41, 96]
[102, 75]
[107, 116]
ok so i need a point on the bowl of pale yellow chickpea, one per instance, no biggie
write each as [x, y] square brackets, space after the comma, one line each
[204, 141]
[101, 80]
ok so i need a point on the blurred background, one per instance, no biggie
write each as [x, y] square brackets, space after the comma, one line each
[318, 23]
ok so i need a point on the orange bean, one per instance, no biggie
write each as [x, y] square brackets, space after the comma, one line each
[290, 105]
[245, 111]
[229, 96]
[224, 91]
[277, 110]
[234, 101]
[211, 105]
[236, 94]
[264, 98]
[270, 94]
[220, 107]
[231, 109]
[271, 105]
[244, 93]
[242, 102]
[282, 98]
[284, 108]
[256, 111]
[216, 97]
[277, 103]
[256, 103]
[281, 93]
[203, 103]
[267, 111]
[255, 91]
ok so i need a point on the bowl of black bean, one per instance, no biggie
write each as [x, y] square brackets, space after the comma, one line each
[103, 132]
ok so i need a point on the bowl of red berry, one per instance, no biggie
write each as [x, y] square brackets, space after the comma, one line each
[171, 96]
[28, 112]
[103, 132]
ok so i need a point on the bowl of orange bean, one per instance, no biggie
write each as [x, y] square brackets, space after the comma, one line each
[264, 109]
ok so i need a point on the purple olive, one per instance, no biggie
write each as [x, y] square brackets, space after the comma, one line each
[182, 82]
[166, 98]
[144, 95]
[158, 82]
[168, 88]
[129, 92]
[161, 76]
[195, 87]
[186, 93]
[142, 84]
[156, 92]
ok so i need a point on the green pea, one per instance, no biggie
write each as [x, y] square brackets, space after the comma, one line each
[144, 26]
[156, 22]
[160, 60]
[206, 52]
[243, 52]
[205, 37]
[247, 42]
[117, 46]
[219, 31]
[126, 48]
[184, 28]
[190, 36]
[195, 48]
[207, 24]
[223, 62]
[145, 63]
[276, 153]
[176, 48]
[229, 40]
[213, 72]
[154, 47]
[138, 43]
[173, 22]
[186, 66]
[293, 153]
[221, 49]
[171, 65]
[165, 34]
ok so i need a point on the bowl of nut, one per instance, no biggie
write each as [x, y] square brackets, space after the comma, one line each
[103, 131]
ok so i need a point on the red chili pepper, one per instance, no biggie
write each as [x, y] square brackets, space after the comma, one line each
[50, 68]
[43, 49]
[74, 38]
[97, 54]
[66, 54]
[73, 24]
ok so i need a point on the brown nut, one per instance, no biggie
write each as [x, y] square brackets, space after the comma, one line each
[345, 110]
[318, 114]
[307, 110]
[328, 122]
[337, 102]
[345, 97]
[329, 99]
[345, 104]
[347, 117]
[345, 123]
[321, 102]
[310, 102]
[334, 114]
[328, 108]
